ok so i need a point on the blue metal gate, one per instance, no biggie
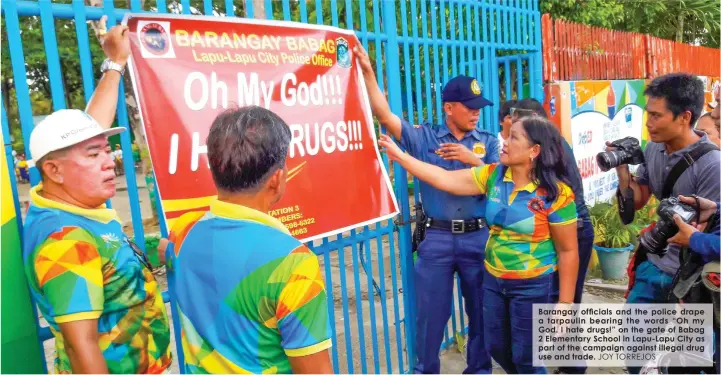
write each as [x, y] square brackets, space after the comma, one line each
[417, 45]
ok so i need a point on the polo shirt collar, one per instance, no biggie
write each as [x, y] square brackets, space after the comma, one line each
[443, 131]
[238, 212]
[101, 214]
[704, 139]
[530, 187]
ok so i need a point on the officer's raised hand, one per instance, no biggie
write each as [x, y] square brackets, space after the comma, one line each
[457, 151]
[115, 43]
[364, 61]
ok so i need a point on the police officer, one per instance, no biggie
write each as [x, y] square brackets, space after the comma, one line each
[456, 238]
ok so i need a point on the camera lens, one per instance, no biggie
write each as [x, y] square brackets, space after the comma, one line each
[609, 159]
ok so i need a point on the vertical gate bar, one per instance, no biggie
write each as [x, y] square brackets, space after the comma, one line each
[470, 45]
[378, 43]
[249, 11]
[436, 70]
[427, 62]
[51, 54]
[161, 6]
[461, 40]
[334, 12]
[208, 7]
[519, 77]
[185, 4]
[416, 62]
[495, 86]
[349, 15]
[444, 38]
[462, 318]
[508, 25]
[507, 76]
[363, 24]
[331, 306]
[407, 66]
[269, 10]
[371, 299]
[384, 301]
[286, 10]
[22, 92]
[358, 303]
[520, 40]
[344, 298]
[499, 36]
[480, 70]
[303, 11]
[452, 22]
[396, 303]
[319, 12]
[230, 8]
[401, 176]
[86, 62]
[537, 84]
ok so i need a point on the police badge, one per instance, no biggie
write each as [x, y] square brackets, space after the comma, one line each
[342, 53]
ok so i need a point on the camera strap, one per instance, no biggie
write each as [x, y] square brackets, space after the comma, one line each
[686, 161]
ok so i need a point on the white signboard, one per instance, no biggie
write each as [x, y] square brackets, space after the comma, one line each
[590, 131]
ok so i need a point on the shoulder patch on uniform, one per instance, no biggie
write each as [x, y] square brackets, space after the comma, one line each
[417, 126]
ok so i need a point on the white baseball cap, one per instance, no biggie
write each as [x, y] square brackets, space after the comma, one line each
[65, 128]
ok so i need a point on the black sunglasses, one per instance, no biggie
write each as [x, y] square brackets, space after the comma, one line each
[139, 254]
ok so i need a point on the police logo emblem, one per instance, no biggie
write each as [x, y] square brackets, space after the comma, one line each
[479, 149]
[342, 53]
[155, 39]
[475, 87]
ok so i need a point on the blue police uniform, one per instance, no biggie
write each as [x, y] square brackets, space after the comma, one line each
[443, 252]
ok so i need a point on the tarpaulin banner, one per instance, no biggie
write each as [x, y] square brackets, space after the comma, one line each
[188, 69]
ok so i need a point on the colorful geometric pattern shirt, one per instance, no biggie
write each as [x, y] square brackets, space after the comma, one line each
[249, 295]
[520, 245]
[81, 266]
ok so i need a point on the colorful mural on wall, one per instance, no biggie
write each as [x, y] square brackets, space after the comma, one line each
[589, 113]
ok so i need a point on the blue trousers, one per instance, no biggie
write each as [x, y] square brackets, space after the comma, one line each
[508, 318]
[440, 256]
[585, 250]
[652, 286]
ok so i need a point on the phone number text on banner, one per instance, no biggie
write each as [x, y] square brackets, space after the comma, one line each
[186, 70]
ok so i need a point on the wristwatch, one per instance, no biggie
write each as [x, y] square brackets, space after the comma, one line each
[110, 65]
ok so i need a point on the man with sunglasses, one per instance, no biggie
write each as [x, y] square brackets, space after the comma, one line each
[532, 107]
[92, 285]
[456, 232]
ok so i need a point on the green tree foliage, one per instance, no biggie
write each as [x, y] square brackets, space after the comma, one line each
[688, 21]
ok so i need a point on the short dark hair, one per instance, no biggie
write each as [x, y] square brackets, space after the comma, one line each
[245, 146]
[682, 91]
[505, 109]
[530, 105]
[550, 166]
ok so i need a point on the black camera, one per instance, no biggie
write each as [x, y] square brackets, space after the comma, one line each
[628, 151]
[655, 240]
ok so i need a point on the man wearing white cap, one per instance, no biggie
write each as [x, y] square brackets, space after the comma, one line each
[92, 284]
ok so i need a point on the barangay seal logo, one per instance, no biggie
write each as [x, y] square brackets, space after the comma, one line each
[475, 87]
[342, 53]
[155, 39]
[479, 149]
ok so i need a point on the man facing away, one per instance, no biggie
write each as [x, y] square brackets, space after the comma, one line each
[92, 284]
[456, 238]
[250, 297]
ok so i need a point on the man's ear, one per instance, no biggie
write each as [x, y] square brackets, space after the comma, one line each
[276, 180]
[53, 170]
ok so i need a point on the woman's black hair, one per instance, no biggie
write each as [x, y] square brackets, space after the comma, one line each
[550, 166]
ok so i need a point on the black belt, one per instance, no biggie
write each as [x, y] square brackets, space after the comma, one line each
[457, 226]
